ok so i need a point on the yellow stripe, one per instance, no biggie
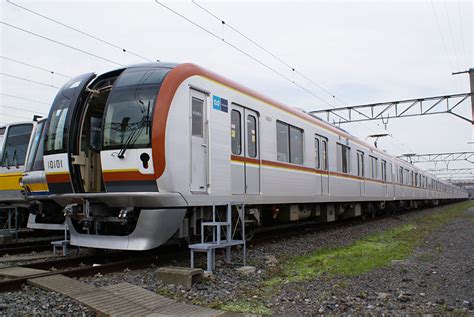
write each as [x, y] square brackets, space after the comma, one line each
[37, 187]
[10, 181]
[57, 173]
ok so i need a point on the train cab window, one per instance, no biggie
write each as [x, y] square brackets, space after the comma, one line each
[2, 137]
[343, 158]
[324, 151]
[383, 170]
[296, 145]
[236, 132]
[55, 138]
[360, 164]
[36, 146]
[197, 121]
[283, 142]
[16, 145]
[252, 135]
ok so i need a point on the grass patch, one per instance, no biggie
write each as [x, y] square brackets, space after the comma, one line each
[247, 307]
[366, 254]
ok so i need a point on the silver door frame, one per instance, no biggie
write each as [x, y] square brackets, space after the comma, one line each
[198, 94]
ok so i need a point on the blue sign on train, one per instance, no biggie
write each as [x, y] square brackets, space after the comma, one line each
[219, 103]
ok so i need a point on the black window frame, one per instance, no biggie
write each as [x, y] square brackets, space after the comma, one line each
[289, 145]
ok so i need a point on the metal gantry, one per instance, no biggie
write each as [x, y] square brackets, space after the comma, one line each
[402, 108]
[446, 172]
[446, 157]
[385, 111]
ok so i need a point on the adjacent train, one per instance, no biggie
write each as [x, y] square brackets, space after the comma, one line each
[22, 180]
[140, 154]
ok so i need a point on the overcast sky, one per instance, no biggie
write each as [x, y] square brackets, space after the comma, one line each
[362, 52]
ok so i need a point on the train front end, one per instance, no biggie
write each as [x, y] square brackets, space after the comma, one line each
[99, 161]
[13, 151]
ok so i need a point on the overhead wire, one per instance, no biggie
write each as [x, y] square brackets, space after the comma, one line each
[281, 61]
[33, 66]
[18, 117]
[80, 31]
[451, 33]
[292, 68]
[251, 57]
[29, 80]
[243, 52]
[26, 99]
[462, 34]
[60, 43]
[442, 37]
[20, 109]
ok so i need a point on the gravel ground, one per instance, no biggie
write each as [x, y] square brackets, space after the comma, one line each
[438, 278]
[34, 301]
[439, 285]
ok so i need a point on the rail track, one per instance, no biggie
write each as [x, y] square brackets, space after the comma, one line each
[109, 262]
[26, 247]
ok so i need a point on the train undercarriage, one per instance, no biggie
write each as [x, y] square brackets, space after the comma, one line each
[100, 226]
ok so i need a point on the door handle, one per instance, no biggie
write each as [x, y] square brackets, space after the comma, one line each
[204, 145]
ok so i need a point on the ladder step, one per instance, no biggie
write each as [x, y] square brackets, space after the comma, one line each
[216, 223]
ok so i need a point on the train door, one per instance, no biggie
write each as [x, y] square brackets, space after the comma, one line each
[245, 159]
[324, 166]
[321, 159]
[317, 158]
[361, 172]
[199, 142]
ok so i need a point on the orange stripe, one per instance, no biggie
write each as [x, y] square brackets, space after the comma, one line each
[58, 178]
[244, 159]
[167, 92]
[127, 176]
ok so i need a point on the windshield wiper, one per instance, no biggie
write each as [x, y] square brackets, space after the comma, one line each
[132, 138]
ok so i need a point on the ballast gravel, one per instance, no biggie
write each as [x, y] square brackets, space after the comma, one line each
[34, 301]
[442, 285]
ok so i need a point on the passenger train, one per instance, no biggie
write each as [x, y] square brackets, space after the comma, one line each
[140, 154]
[22, 179]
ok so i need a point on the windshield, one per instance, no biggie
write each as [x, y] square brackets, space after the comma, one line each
[56, 128]
[130, 106]
[59, 119]
[36, 147]
[16, 145]
[2, 137]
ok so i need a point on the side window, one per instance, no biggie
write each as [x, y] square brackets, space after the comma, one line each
[236, 132]
[343, 158]
[325, 155]
[252, 136]
[197, 117]
[400, 179]
[283, 146]
[384, 170]
[296, 145]
[289, 143]
[317, 153]
[373, 167]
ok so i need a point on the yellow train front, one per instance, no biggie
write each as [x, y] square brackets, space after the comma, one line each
[15, 139]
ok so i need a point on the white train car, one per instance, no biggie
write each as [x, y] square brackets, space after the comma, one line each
[141, 153]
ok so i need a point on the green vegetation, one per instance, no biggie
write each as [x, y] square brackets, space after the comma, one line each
[364, 255]
[248, 307]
